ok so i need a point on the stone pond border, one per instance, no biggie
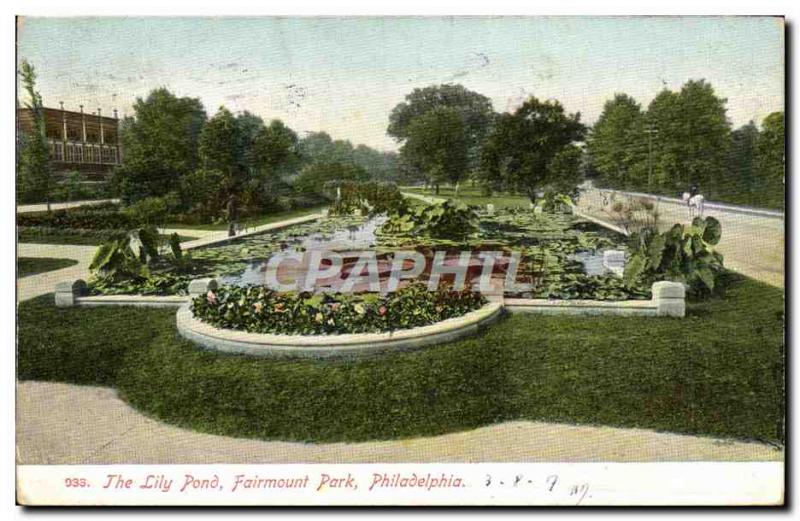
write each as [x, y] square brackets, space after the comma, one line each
[334, 346]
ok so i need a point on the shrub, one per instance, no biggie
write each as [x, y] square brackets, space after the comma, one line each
[259, 309]
[368, 198]
[152, 210]
[30, 233]
[100, 216]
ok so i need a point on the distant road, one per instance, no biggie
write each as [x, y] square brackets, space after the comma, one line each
[752, 238]
[725, 207]
[29, 208]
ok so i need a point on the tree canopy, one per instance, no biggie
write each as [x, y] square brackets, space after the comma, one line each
[525, 149]
[475, 111]
[160, 144]
[438, 144]
[692, 144]
[617, 143]
[34, 178]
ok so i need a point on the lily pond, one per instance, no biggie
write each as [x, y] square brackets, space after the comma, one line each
[562, 255]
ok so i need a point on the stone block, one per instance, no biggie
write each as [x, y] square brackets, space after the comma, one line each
[68, 292]
[670, 298]
[202, 286]
[614, 258]
[668, 290]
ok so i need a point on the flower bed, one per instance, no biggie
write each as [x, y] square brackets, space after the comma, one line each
[257, 309]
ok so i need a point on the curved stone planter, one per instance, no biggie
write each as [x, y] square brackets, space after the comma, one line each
[333, 346]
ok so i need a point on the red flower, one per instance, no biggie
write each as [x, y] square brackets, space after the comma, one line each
[382, 310]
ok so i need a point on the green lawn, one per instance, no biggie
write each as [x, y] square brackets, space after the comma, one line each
[469, 195]
[258, 221]
[717, 372]
[68, 237]
[33, 265]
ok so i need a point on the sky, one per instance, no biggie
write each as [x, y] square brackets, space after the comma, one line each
[344, 75]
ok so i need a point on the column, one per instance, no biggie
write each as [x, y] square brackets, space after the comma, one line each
[102, 137]
[63, 132]
[116, 133]
[83, 137]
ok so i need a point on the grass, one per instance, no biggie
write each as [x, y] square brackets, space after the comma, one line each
[68, 237]
[33, 265]
[717, 372]
[253, 222]
[469, 195]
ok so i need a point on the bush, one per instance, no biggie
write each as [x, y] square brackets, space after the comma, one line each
[259, 309]
[31, 233]
[100, 216]
[369, 198]
[314, 177]
[75, 188]
[152, 210]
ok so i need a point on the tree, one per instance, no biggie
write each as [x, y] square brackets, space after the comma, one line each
[314, 176]
[222, 148]
[564, 170]
[438, 144]
[276, 149]
[474, 109]
[770, 159]
[250, 126]
[521, 149]
[381, 166]
[160, 144]
[616, 145]
[693, 137]
[739, 180]
[34, 178]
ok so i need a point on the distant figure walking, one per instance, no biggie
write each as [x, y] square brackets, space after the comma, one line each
[231, 212]
[694, 201]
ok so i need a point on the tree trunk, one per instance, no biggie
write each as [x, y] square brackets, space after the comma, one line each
[436, 186]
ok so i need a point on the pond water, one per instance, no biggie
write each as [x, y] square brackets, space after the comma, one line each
[352, 236]
[244, 261]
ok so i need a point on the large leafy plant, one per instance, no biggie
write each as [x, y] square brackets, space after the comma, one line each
[445, 220]
[681, 254]
[129, 256]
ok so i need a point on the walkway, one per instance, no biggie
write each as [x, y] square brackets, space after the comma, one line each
[29, 208]
[209, 237]
[68, 424]
[35, 285]
[43, 283]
